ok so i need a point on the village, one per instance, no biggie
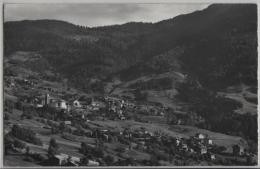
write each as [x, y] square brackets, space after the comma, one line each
[65, 128]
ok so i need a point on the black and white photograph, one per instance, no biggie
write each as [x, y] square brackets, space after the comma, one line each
[130, 84]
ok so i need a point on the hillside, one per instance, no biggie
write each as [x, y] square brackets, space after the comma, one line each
[220, 34]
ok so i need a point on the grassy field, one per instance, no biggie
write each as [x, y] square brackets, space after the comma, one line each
[164, 97]
[243, 95]
[17, 161]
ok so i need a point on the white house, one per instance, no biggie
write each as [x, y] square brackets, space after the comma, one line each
[58, 103]
[210, 142]
[76, 104]
[93, 163]
[201, 136]
[62, 158]
[203, 150]
[67, 122]
[212, 156]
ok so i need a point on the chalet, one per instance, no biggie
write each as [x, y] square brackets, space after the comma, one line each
[113, 108]
[179, 122]
[178, 141]
[76, 104]
[98, 104]
[93, 163]
[122, 117]
[212, 156]
[191, 150]
[184, 147]
[84, 101]
[203, 150]
[129, 104]
[38, 102]
[200, 136]
[12, 84]
[58, 103]
[238, 150]
[106, 137]
[210, 142]
[62, 160]
[67, 122]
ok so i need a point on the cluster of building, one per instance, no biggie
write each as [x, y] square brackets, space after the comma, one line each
[66, 160]
[116, 107]
[51, 101]
[199, 144]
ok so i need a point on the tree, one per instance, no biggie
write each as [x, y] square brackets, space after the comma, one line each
[27, 153]
[62, 127]
[27, 150]
[84, 161]
[109, 160]
[97, 152]
[19, 105]
[6, 117]
[236, 150]
[154, 160]
[19, 144]
[8, 143]
[129, 161]
[84, 148]
[53, 148]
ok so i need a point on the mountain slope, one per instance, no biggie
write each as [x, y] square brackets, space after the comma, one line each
[216, 46]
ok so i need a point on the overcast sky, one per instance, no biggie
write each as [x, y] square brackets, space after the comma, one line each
[98, 14]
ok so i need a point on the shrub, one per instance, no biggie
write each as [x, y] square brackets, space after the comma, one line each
[109, 160]
[6, 117]
[19, 144]
[53, 147]
[25, 134]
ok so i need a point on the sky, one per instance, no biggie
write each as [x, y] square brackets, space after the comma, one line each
[93, 15]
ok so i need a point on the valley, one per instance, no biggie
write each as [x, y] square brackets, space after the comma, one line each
[178, 92]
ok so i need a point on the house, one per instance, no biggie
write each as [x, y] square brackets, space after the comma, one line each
[38, 102]
[61, 160]
[83, 101]
[191, 150]
[106, 137]
[98, 104]
[76, 104]
[184, 147]
[93, 163]
[200, 136]
[210, 142]
[12, 84]
[212, 156]
[67, 122]
[238, 150]
[133, 145]
[179, 122]
[203, 150]
[178, 141]
[58, 103]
